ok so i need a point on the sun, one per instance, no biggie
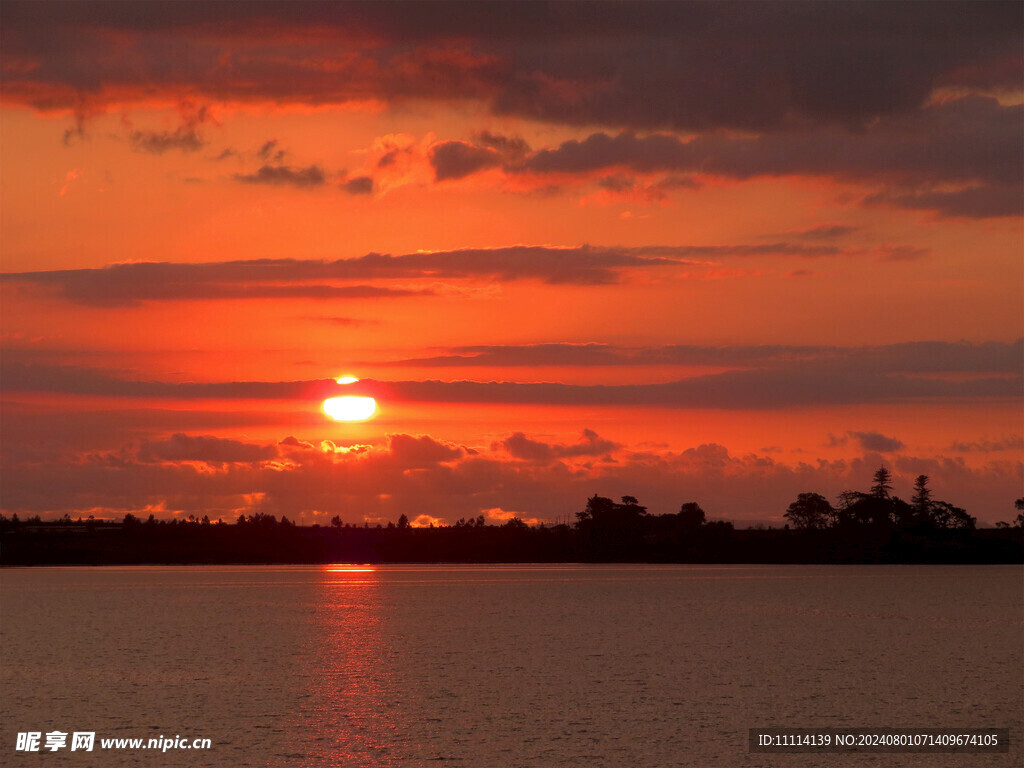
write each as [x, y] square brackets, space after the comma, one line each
[350, 408]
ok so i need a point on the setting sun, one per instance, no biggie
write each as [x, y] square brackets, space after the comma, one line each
[350, 408]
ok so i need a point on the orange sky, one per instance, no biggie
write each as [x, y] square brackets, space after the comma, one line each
[676, 285]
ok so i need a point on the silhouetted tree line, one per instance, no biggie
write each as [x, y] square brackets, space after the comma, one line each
[876, 526]
[879, 509]
[622, 532]
[863, 527]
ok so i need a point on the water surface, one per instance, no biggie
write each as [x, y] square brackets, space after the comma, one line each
[492, 666]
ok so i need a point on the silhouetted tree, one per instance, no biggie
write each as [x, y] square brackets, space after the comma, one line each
[691, 516]
[845, 502]
[847, 499]
[810, 511]
[598, 507]
[945, 515]
[872, 510]
[720, 527]
[609, 529]
[262, 520]
[901, 513]
[922, 498]
[883, 483]
[403, 521]
[630, 507]
[1018, 521]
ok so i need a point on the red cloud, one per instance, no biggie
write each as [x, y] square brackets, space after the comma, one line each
[423, 475]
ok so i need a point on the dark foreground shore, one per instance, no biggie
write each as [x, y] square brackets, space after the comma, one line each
[266, 540]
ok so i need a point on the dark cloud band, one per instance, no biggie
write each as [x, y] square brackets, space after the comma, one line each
[784, 386]
[644, 65]
[126, 284]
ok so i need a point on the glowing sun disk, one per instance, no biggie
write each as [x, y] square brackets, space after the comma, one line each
[350, 408]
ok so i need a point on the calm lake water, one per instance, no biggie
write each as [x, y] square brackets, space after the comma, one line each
[485, 667]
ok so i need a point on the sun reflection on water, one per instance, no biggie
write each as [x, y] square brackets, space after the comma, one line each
[349, 569]
[351, 699]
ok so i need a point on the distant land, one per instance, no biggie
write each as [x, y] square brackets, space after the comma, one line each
[866, 528]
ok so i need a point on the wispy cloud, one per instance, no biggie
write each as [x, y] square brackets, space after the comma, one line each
[908, 357]
[790, 386]
[520, 446]
[284, 175]
[1008, 443]
[876, 441]
[185, 137]
[133, 282]
[358, 185]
